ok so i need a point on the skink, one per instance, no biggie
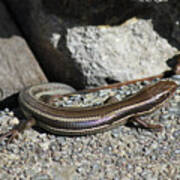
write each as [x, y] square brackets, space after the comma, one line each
[90, 120]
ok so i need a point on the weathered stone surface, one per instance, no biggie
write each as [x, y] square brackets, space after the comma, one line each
[73, 51]
[18, 67]
[132, 50]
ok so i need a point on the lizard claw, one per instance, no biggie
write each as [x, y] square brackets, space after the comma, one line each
[11, 135]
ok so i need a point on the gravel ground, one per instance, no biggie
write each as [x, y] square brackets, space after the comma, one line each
[122, 153]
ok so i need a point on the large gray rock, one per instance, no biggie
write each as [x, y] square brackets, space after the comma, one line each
[73, 51]
[129, 51]
[18, 67]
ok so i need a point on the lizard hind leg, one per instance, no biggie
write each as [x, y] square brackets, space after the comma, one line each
[147, 125]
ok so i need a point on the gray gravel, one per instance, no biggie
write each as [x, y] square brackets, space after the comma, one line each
[122, 153]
